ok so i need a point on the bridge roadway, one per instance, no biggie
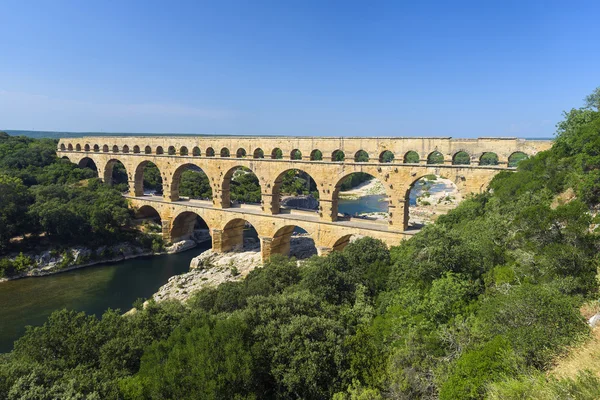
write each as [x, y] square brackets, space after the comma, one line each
[274, 231]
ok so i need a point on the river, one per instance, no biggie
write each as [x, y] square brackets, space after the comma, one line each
[30, 301]
[94, 289]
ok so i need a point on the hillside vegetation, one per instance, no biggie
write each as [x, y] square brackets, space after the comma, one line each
[480, 304]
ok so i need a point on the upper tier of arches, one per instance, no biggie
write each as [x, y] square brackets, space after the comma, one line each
[461, 157]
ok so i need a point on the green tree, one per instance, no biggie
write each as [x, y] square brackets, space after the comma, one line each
[15, 199]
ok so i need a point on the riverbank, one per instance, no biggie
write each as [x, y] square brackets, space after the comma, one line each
[51, 262]
[212, 269]
[367, 188]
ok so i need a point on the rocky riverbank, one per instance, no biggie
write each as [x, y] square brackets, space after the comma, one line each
[51, 262]
[212, 269]
[368, 188]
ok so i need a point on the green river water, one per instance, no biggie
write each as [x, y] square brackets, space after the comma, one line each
[94, 289]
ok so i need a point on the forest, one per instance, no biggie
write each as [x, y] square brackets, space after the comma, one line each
[478, 305]
[51, 203]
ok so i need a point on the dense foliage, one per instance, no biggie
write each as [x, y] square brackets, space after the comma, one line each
[51, 202]
[476, 305]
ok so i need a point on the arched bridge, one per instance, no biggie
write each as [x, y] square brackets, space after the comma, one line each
[397, 162]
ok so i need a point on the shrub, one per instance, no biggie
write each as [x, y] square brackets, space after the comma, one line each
[476, 368]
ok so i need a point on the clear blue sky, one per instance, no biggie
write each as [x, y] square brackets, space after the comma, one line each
[431, 68]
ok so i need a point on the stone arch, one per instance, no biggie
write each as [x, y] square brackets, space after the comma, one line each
[105, 148]
[273, 204]
[125, 149]
[240, 153]
[86, 147]
[515, 158]
[276, 154]
[316, 155]
[341, 243]
[87, 162]
[96, 148]
[338, 155]
[386, 156]
[70, 147]
[282, 242]
[488, 158]
[160, 150]
[361, 156]
[225, 152]
[77, 147]
[461, 158]
[435, 157]
[229, 193]
[196, 151]
[295, 154]
[171, 150]
[426, 200]
[147, 150]
[411, 157]
[141, 183]
[147, 211]
[210, 152]
[232, 236]
[346, 182]
[63, 147]
[115, 149]
[183, 225]
[110, 178]
[259, 153]
[136, 149]
[183, 151]
[176, 180]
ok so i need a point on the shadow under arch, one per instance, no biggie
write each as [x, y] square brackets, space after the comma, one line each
[301, 188]
[341, 243]
[147, 179]
[240, 185]
[148, 212]
[115, 174]
[360, 195]
[239, 234]
[191, 181]
[293, 241]
[87, 162]
[185, 224]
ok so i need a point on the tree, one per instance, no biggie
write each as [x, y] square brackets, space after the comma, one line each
[14, 198]
[212, 360]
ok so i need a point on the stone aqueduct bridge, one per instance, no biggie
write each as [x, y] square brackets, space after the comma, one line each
[219, 157]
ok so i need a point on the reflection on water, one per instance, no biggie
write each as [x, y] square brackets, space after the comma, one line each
[93, 289]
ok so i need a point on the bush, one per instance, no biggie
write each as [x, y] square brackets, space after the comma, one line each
[538, 321]
[476, 368]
